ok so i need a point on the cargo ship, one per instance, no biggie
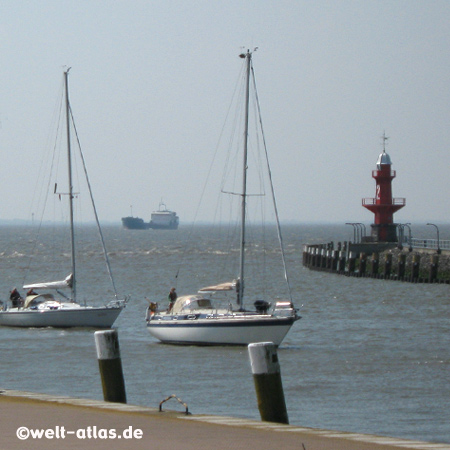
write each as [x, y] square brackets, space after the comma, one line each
[163, 219]
[134, 223]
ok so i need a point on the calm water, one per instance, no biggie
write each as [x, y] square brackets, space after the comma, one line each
[367, 356]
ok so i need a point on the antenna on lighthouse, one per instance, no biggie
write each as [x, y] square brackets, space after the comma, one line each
[385, 138]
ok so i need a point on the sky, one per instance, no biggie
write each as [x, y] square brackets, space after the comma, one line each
[151, 81]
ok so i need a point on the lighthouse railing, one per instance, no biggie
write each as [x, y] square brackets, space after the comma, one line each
[378, 173]
[373, 201]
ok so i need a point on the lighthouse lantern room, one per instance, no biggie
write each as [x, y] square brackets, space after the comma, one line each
[383, 205]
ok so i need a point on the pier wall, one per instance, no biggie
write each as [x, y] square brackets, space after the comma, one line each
[381, 261]
[63, 418]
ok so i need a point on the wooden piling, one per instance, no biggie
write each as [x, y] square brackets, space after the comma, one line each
[375, 264]
[110, 365]
[415, 270]
[334, 260]
[434, 268]
[323, 259]
[267, 379]
[314, 257]
[308, 256]
[341, 264]
[329, 259]
[388, 265]
[362, 264]
[401, 266]
[305, 255]
[351, 263]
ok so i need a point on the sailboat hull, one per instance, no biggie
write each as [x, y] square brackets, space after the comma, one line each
[102, 317]
[233, 331]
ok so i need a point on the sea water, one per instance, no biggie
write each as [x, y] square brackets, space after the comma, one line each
[368, 356]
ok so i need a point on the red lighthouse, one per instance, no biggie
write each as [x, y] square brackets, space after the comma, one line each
[383, 205]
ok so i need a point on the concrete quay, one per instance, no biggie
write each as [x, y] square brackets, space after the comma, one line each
[40, 421]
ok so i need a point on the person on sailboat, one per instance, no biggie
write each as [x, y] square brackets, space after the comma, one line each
[15, 298]
[172, 298]
[151, 310]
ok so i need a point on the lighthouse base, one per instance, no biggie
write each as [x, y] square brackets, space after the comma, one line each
[384, 233]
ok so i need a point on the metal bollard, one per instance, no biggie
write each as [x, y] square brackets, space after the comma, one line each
[110, 365]
[267, 378]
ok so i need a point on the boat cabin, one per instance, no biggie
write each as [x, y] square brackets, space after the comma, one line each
[189, 303]
[35, 299]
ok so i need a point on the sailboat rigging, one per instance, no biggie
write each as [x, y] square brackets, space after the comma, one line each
[196, 319]
[45, 310]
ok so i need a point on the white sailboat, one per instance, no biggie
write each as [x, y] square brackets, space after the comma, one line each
[54, 308]
[200, 320]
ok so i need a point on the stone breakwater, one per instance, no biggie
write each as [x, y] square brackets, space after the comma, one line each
[417, 266]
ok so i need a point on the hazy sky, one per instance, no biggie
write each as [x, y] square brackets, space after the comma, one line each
[151, 82]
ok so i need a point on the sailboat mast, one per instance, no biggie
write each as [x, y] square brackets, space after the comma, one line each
[240, 298]
[69, 165]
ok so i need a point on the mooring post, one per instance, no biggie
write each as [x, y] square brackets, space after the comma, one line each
[415, 270]
[110, 365]
[401, 266]
[334, 260]
[267, 378]
[388, 265]
[329, 258]
[305, 255]
[317, 257]
[323, 260]
[311, 259]
[351, 263]
[342, 260]
[434, 264]
[362, 264]
[375, 264]
[314, 257]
